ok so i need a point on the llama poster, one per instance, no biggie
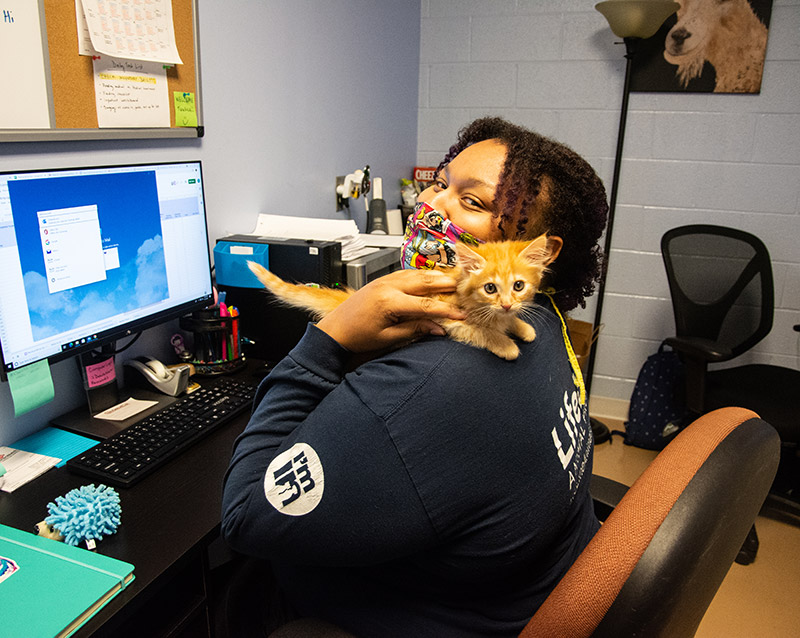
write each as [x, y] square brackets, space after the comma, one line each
[708, 46]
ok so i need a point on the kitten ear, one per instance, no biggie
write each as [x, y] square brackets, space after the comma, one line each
[468, 259]
[542, 250]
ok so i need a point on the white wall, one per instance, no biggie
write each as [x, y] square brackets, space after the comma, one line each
[294, 93]
[733, 160]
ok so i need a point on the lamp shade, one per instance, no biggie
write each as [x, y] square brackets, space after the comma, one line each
[636, 18]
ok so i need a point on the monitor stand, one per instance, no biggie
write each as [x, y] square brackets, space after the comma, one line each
[82, 421]
[98, 373]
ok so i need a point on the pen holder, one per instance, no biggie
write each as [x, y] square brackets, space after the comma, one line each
[217, 345]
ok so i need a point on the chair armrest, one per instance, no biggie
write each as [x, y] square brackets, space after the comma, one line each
[606, 494]
[698, 348]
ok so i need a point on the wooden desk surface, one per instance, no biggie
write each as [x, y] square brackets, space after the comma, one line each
[164, 518]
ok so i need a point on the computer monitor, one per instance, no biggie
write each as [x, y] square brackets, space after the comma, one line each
[91, 255]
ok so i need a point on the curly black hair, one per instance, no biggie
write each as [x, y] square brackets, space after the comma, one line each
[545, 187]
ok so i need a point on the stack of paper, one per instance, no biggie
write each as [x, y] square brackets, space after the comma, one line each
[55, 442]
[344, 231]
[22, 467]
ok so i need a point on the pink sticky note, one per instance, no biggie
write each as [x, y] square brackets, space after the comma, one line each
[101, 373]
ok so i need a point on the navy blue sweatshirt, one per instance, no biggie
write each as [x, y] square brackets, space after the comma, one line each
[435, 491]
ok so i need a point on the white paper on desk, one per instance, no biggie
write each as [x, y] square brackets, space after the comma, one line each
[125, 410]
[357, 249]
[22, 467]
[135, 31]
[290, 227]
[344, 231]
[383, 241]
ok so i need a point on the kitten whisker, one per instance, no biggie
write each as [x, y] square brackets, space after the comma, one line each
[531, 312]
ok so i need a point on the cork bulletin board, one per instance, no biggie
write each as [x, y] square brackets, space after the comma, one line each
[71, 87]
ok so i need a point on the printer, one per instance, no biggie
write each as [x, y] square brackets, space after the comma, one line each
[273, 328]
[359, 271]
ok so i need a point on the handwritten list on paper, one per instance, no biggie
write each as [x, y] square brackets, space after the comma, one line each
[130, 29]
[130, 93]
[101, 373]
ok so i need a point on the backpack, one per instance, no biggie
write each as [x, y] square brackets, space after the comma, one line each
[657, 412]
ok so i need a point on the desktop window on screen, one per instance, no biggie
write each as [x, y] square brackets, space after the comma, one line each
[89, 250]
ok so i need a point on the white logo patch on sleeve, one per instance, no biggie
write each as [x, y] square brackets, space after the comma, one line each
[294, 481]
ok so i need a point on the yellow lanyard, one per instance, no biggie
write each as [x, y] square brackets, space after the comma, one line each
[573, 360]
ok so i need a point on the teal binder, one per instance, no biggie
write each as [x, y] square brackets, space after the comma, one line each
[48, 588]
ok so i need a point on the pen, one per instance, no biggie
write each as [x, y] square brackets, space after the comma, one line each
[235, 330]
[223, 312]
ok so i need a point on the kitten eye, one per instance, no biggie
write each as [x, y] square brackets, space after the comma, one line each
[519, 286]
[490, 288]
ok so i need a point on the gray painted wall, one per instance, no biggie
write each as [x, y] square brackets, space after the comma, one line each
[294, 93]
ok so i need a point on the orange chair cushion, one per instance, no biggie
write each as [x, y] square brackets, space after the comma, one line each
[580, 601]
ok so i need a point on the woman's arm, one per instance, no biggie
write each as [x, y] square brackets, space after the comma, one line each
[392, 310]
[315, 477]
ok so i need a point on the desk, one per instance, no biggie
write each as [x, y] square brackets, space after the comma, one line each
[167, 523]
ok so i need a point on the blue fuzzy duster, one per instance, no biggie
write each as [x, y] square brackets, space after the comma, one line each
[85, 513]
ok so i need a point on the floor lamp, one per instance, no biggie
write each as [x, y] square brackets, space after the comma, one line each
[633, 21]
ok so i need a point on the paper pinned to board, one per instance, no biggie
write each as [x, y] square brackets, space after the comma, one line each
[137, 31]
[185, 108]
[130, 93]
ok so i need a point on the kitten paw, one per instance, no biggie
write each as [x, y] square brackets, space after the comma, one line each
[508, 352]
[526, 332]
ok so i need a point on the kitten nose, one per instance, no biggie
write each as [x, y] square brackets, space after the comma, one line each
[506, 307]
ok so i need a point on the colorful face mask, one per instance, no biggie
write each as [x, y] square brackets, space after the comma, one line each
[430, 239]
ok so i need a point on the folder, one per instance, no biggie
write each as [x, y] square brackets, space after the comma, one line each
[49, 588]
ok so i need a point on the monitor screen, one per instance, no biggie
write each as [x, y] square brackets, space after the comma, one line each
[91, 255]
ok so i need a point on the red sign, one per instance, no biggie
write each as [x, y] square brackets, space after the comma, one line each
[424, 173]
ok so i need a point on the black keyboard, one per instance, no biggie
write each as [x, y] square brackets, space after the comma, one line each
[128, 456]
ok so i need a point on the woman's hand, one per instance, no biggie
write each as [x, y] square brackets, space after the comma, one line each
[392, 310]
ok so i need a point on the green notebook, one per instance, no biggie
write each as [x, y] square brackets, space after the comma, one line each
[48, 588]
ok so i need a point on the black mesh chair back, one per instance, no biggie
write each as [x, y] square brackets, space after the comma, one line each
[721, 284]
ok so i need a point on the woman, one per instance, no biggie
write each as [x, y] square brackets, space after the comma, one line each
[436, 490]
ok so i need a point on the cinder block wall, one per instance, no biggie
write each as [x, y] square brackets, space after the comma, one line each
[733, 160]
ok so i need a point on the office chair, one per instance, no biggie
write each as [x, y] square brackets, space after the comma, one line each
[720, 281]
[658, 559]
[666, 543]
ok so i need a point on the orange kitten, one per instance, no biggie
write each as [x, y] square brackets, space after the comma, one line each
[496, 285]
